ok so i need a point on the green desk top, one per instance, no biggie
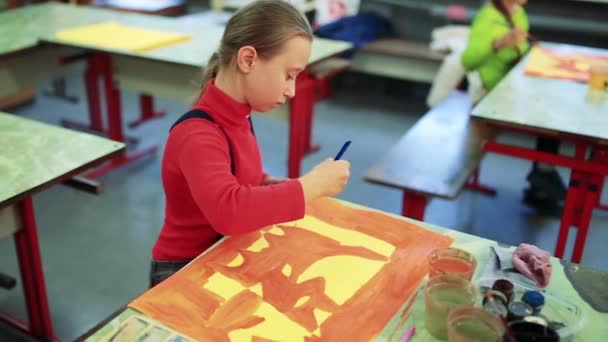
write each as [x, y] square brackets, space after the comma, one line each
[548, 104]
[24, 27]
[34, 155]
[583, 287]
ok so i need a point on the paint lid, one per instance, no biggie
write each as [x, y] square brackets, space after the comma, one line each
[504, 286]
[519, 310]
[537, 320]
[533, 298]
[496, 295]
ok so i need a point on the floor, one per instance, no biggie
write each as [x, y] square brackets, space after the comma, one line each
[96, 248]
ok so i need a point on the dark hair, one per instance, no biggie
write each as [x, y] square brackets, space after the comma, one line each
[265, 25]
[500, 6]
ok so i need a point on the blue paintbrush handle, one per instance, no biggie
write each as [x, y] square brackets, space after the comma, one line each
[342, 150]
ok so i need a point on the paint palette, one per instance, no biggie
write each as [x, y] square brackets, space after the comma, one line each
[565, 317]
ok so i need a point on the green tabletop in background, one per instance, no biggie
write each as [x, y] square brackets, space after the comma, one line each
[25, 27]
[34, 155]
[561, 106]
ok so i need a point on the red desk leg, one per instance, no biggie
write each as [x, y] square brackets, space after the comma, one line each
[300, 123]
[96, 125]
[414, 205]
[600, 205]
[583, 196]
[32, 277]
[146, 104]
[324, 89]
[307, 106]
[91, 82]
[602, 157]
[573, 206]
[572, 210]
[591, 196]
[115, 121]
[593, 193]
[92, 89]
[475, 185]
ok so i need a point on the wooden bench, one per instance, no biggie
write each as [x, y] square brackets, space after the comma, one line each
[398, 58]
[18, 98]
[437, 157]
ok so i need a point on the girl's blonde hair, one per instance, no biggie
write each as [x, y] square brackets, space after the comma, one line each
[265, 25]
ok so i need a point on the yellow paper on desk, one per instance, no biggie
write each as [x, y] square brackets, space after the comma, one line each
[118, 36]
[566, 65]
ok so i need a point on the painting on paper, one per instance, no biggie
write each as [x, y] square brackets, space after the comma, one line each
[339, 273]
[571, 65]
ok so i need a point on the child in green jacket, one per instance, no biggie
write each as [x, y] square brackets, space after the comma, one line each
[497, 41]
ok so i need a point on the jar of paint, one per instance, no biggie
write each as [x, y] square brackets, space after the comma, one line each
[535, 299]
[495, 302]
[523, 331]
[506, 287]
[442, 294]
[473, 324]
[452, 261]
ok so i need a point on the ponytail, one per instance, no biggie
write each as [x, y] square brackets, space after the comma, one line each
[210, 71]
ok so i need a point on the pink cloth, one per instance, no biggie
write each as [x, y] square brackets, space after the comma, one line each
[534, 263]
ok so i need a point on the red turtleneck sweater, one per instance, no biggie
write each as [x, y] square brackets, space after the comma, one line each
[203, 197]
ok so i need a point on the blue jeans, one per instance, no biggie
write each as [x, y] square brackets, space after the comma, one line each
[161, 270]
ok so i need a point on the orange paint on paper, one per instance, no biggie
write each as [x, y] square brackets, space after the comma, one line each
[339, 274]
[450, 265]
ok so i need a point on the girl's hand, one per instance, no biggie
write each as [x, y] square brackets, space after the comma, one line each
[326, 179]
[514, 38]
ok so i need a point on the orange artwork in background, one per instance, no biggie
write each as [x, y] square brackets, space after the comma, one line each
[338, 274]
[547, 63]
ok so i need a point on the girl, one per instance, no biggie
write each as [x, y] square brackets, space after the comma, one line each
[497, 41]
[212, 169]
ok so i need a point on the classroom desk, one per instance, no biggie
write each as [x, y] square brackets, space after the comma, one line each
[35, 156]
[172, 71]
[560, 109]
[581, 286]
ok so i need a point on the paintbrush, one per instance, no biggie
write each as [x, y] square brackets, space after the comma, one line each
[408, 335]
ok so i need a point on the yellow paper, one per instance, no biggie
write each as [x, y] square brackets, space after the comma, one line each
[570, 65]
[118, 36]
